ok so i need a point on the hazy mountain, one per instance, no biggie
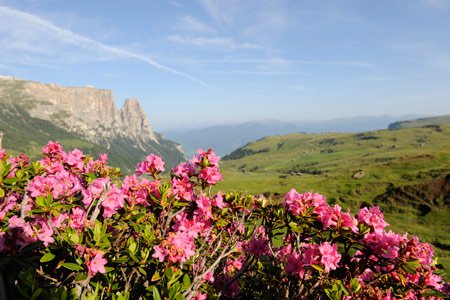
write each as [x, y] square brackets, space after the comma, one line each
[226, 138]
[32, 113]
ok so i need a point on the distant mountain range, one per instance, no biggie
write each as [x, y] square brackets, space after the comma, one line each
[226, 138]
[33, 113]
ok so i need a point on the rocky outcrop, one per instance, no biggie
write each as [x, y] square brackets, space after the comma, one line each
[88, 111]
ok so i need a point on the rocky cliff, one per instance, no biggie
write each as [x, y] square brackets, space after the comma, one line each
[89, 111]
[83, 113]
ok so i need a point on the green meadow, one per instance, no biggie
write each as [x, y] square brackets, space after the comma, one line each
[403, 171]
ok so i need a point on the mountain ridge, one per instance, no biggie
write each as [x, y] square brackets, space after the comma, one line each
[85, 117]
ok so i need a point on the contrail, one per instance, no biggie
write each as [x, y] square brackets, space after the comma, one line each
[70, 37]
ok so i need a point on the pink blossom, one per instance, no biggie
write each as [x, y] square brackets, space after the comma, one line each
[74, 159]
[372, 217]
[113, 202]
[97, 186]
[210, 175]
[204, 207]
[329, 256]
[200, 296]
[294, 264]
[97, 264]
[218, 201]
[77, 218]
[205, 159]
[183, 170]
[152, 165]
[45, 234]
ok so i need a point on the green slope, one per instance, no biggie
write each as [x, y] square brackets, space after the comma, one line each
[427, 122]
[383, 162]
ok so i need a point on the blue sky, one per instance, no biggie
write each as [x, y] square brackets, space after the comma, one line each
[197, 63]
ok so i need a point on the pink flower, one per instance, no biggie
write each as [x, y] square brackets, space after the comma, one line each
[97, 186]
[210, 175]
[160, 253]
[97, 264]
[113, 202]
[200, 296]
[372, 217]
[204, 207]
[205, 159]
[77, 218]
[153, 165]
[294, 264]
[329, 256]
[45, 234]
[74, 159]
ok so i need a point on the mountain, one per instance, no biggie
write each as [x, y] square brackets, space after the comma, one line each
[421, 122]
[226, 138]
[406, 172]
[84, 117]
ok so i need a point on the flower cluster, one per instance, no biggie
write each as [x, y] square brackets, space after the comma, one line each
[72, 227]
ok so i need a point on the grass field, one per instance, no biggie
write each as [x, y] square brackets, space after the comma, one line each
[353, 170]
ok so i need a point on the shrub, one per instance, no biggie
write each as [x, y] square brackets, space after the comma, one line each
[72, 228]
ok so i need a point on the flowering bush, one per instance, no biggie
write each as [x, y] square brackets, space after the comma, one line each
[72, 228]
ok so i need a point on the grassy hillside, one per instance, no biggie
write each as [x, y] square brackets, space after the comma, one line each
[386, 166]
[26, 134]
[431, 121]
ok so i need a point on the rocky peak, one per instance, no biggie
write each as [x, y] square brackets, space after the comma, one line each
[88, 111]
[135, 120]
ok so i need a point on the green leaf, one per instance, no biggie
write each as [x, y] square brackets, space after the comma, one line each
[411, 266]
[355, 285]
[47, 257]
[186, 282]
[80, 277]
[174, 291]
[433, 293]
[2, 193]
[156, 276]
[156, 295]
[36, 294]
[318, 268]
[72, 266]
[142, 271]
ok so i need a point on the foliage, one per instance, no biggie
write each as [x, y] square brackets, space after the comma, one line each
[72, 229]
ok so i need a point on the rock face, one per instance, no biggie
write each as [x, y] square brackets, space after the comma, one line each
[88, 111]
[33, 113]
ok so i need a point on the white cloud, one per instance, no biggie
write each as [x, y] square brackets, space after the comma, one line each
[259, 21]
[22, 34]
[192, 24]
[222, 42]
[263, 73]
[436, 3]
[287, 62]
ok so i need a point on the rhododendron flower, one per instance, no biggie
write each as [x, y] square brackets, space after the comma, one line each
[113, 202]
[98, 185]
[77, 218]
[74, 159]
[372, 217]
[97, 264]
[184, 170]
[294, 264]
[210, 175]
[329, 256]
[45, 234]
[152, 165]
[205, 159]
